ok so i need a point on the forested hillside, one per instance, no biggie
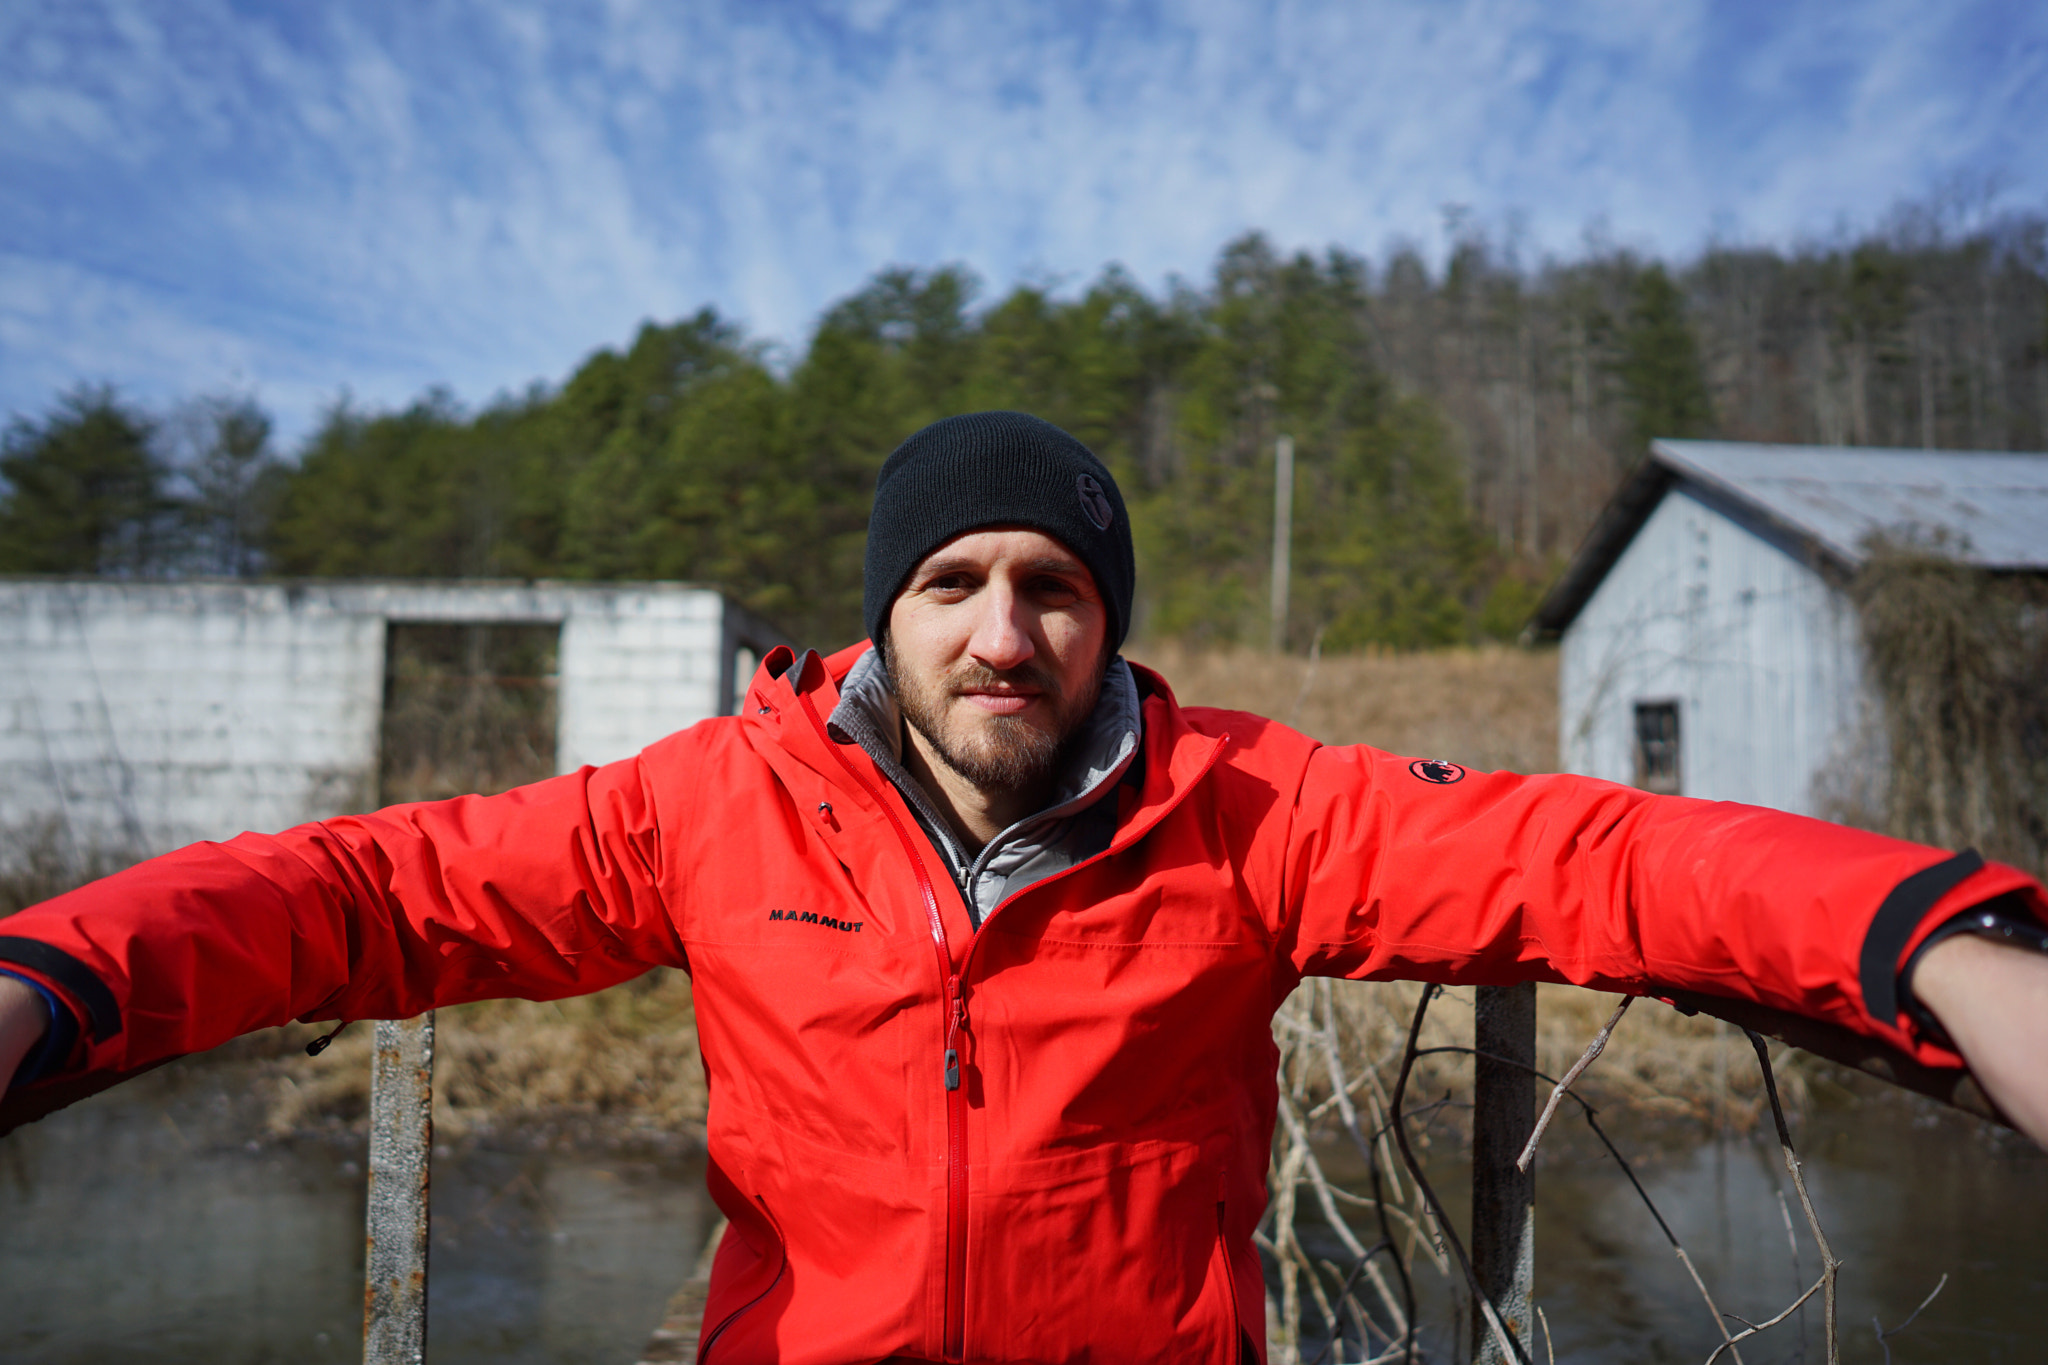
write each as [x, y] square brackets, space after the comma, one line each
[1456, 431]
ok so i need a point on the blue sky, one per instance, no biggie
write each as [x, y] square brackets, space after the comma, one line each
[293, 199]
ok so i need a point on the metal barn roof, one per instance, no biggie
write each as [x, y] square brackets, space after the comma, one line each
[1990, 508]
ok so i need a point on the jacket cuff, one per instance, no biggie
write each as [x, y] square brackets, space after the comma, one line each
[58, 968]
[1915, 910]
[1884, 944]
[57, 1039]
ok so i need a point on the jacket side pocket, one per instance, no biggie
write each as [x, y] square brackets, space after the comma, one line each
[781, 1268]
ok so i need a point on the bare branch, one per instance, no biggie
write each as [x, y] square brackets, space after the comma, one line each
[1327, 1037]
[1510, 1348]
[1593, 1122]
[1883, 1336]
[1750, 1330]
[1593, 1050]
[1829, 1265]
[1297, 1133]
[1367, 1323]
[1727, 1342]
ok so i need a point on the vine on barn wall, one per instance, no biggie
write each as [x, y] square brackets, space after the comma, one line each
[1958, 661]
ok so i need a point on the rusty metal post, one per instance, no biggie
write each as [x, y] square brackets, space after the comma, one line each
[401, 1148]
[1503, 1198]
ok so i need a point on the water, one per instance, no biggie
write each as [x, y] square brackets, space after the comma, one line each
[1901, 1206]
[1904, 1194]
[140, 1226]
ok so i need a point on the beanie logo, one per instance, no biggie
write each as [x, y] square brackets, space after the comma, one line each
[1094, 502]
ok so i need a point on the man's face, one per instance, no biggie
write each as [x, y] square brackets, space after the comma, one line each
[995, 648]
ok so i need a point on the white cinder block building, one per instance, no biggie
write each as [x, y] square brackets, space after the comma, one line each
[1707, 645]
[136, 716]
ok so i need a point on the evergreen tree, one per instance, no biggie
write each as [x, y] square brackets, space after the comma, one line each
[83, 491]
[1660, 369]
[384, 495]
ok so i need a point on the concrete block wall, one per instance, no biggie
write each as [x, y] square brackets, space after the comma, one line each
[635, 666]
[137, 717]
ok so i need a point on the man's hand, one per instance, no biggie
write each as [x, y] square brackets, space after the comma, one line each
[1993, 1000]
[23, 1020]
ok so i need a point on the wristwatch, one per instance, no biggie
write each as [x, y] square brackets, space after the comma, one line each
[2002, 919]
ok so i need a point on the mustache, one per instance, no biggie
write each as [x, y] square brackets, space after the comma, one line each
[970, 677]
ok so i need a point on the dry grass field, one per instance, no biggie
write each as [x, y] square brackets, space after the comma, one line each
[623, 1065]
[1485, 708]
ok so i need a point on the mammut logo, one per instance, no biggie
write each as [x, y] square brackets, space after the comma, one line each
[1437, 770]
[844, 926]
[1094, 502]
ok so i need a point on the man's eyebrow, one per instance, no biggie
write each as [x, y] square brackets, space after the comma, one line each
[935, 567]
[962, 564]
[1057, 564]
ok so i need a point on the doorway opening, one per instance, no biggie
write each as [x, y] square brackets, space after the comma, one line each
[469, 706]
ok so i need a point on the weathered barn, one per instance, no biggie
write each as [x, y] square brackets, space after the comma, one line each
[140, 716]
[1707, 643]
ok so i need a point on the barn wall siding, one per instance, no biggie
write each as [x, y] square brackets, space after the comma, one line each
[138, 717]
[1758, 649]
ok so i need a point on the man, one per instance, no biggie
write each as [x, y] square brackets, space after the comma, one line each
[985, 933]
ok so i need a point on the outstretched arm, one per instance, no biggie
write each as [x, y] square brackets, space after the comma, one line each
[1993, 1000]
[549, 890]
[1490, 878]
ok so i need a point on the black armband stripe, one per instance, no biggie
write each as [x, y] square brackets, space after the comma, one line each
[1896, 920]
[73, 975]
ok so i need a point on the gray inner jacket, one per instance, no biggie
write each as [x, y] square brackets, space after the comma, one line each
[1076, 825]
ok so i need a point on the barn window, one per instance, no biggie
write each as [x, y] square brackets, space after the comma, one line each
[1657, 746]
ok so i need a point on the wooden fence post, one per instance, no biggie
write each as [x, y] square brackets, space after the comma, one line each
[401, 1149]
[1503, 1198]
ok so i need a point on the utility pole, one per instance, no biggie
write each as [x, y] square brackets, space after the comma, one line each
[1283, 534]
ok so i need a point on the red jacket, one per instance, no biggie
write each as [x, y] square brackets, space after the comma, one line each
[1043, 1141]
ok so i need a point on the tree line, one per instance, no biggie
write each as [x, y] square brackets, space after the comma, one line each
[1456, 430]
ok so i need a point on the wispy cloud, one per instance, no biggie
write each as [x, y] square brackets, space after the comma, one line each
[386, 196]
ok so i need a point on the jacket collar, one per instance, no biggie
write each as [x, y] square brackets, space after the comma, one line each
[1177, 757]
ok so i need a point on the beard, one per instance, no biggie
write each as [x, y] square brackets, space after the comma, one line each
[1006, 753]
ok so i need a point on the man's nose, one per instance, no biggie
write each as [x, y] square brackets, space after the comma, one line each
[1002, 634]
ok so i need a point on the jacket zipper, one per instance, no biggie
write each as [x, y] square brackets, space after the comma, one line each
[956, 1028]
[955, 1039]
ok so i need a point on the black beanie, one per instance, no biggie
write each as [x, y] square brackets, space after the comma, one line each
[995, 469]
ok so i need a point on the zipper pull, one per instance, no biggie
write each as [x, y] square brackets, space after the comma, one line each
[320, 1044]
[954, 1024]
